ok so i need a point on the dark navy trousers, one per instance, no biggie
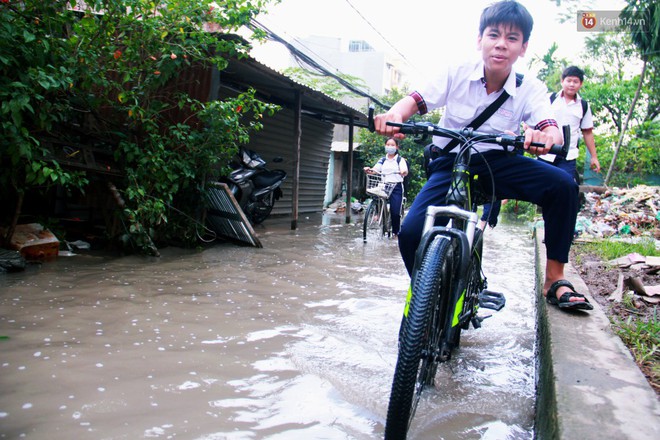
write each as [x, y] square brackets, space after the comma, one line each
[516, 177]
[396, 202]
[567, 165]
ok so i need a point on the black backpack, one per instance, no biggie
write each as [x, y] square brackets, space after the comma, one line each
[406, 178]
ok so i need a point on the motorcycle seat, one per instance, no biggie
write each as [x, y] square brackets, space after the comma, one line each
[268, 178]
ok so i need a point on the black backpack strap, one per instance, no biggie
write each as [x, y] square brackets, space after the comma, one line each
[432, 151]
[476, 122]
[487, 113]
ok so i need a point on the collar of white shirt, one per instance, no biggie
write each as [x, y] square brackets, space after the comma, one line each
[510, 84]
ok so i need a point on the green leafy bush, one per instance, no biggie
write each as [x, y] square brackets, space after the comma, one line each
[105, 76]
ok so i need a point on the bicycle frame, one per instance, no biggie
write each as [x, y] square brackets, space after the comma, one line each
[448, 286]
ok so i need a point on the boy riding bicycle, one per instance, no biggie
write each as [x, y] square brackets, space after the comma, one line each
[464, 91]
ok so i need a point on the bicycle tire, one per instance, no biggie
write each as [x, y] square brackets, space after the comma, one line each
[387, 220]
[421, 335]
[372, 219]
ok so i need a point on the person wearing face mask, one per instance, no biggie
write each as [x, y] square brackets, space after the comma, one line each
[394, 168]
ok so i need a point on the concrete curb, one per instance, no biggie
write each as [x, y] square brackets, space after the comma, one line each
[589, 386]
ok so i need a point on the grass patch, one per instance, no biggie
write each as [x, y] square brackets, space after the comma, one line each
[610, 249]
[642, 337]
[638, 328]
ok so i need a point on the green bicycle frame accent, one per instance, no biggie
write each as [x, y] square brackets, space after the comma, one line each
[458, 309]
[408, 299]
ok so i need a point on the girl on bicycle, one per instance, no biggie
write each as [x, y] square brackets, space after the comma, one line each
[393, 168]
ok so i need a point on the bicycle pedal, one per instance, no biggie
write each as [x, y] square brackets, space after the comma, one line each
[491, 300]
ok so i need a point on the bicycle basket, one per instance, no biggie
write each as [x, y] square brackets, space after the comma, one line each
[378, 188]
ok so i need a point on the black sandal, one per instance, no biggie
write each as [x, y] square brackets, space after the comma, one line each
[564, 302]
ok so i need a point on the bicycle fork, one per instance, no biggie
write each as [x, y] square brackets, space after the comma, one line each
[462, 313]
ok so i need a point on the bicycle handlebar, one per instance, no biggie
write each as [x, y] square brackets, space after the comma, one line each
[383, 174]
[464, 134]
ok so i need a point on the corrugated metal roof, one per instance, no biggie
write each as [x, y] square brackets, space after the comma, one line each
[277, 88]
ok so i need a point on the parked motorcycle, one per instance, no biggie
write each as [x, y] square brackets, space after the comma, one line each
[255, 187]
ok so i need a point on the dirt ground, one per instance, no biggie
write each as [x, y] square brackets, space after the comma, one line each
[603, 278]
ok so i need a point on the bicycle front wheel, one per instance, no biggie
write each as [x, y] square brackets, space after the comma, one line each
[372, 219]
[387, 219]
[420, 342]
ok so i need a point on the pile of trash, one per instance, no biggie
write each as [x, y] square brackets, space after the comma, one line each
[621, 211]
[635, 272]
[339, 205]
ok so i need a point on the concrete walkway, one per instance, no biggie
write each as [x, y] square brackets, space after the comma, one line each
[589, 385]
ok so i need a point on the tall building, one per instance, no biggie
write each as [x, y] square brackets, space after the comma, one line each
[379, 72]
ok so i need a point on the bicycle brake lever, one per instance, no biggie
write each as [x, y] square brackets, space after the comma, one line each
[372, 125]
[421, 139]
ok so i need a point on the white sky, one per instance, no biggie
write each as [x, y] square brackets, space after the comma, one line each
[447, 30]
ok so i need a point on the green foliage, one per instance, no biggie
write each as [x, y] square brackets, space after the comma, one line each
[610, 249]
[610, 89]
[519, 210]
[637, 162]
[646, 37]
[35, 85]
[642, 337]
[325, 84]
[89, 78]
[550, 67]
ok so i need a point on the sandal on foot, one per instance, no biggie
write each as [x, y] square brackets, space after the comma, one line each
[564, 302]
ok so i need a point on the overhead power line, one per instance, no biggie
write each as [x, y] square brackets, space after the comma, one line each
[378, 32]
[307, 60]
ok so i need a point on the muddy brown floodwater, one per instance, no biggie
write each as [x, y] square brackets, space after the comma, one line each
[293, 341]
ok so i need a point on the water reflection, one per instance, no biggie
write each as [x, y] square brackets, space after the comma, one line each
[295, 340]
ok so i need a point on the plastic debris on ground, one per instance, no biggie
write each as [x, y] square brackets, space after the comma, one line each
[629, 214]
[633, 212]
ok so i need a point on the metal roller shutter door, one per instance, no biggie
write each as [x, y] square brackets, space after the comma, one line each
[277, 139]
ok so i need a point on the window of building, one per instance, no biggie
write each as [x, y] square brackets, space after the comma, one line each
[359, 46]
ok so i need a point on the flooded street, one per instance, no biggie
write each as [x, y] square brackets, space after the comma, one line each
[293, 341]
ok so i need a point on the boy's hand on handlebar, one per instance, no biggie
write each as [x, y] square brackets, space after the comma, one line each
[398, 113]
[540, 137]
[380, 122]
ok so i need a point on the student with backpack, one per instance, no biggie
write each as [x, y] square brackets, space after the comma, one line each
[570, 109]
[394, 169]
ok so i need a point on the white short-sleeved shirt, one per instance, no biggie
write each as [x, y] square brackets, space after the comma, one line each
[391, 169]
[570, 113]
[461, 90]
